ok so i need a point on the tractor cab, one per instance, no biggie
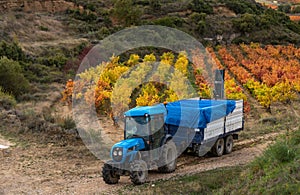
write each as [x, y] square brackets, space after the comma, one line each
[137, 126]
[146, 123]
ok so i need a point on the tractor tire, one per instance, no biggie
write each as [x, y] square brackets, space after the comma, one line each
[109, 174]
[218, 148]
[228, 144]
[168, 158]
[139, 172]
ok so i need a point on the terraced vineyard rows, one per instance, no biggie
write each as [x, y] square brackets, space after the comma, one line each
[270, 73]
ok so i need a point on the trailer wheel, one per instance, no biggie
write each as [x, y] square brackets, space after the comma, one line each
[168, 158]
[228, 144]
[109, 174]
[218, 148]
[139, 172]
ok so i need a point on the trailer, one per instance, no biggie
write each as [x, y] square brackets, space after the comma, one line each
[154, 136]
[205, 125]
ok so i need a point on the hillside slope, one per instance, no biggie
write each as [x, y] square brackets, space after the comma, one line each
[210, 21]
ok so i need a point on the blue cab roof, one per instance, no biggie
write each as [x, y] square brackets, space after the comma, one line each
[150, 110]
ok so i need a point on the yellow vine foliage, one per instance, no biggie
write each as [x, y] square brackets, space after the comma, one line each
[284, 92]
[233, 91]
[262, 92]
[149, 58]
[149, 95]
[133, 60]
[167, 58]
[182, 63]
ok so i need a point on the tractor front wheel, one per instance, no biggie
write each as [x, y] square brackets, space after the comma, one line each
[139, 172]
[109, 174]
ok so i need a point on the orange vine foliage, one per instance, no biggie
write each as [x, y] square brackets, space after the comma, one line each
[232, 89]
[270, 73]
[295, 17]
[67, 93]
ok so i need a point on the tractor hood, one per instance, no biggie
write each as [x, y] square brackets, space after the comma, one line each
[127, 149]
[129, 143]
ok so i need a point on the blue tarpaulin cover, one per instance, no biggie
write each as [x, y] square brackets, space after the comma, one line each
[197, 113]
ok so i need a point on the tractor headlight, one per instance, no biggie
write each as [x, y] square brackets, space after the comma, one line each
[117, 154]
[120, 153]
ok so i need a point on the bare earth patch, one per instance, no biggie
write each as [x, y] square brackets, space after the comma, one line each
[72, 169]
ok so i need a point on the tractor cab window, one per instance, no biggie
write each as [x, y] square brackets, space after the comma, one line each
[157, 129]
[137, 127]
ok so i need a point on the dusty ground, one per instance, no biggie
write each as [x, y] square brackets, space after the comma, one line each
[31, 168]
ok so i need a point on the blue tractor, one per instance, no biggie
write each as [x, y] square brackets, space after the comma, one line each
[146, 146]
[154, 136]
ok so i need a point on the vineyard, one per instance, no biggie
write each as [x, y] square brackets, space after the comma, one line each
[295, 17]
[267, 74]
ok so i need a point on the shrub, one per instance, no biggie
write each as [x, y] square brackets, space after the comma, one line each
[155, 4]
[242, 6]
[126, 12]
[86, 16]
[201, 6]
[11, 77]
[286, 8]
[170, 21]
[67, 123]
[282, 152]
[44, 28]
[196, 17]
[7, 101]
[296, 9]
[295, 137]
[11, 50]
[246, 23]
[102, 33]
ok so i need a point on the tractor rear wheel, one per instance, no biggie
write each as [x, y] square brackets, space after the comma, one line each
[218, 148]
[168, 158]
[139, 172]
[109, 174]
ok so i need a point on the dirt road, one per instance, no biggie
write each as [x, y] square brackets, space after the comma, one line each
[71, 169]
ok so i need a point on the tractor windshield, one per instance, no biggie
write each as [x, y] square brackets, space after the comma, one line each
[137, 126]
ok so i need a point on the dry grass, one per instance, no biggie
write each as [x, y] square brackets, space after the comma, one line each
[38, 32]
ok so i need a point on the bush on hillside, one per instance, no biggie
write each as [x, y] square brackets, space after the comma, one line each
[201, 6]
[296, 9]
[11, 51]
[242, 6]
[11, 77]
[7, 101]
[126, 12]
[247, 23]
[286, 8]
[170, 21]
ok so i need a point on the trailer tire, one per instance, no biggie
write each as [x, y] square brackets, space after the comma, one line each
[228, 144]
[218, 148]
[168, 158]
[109, 174]
[139, 172]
